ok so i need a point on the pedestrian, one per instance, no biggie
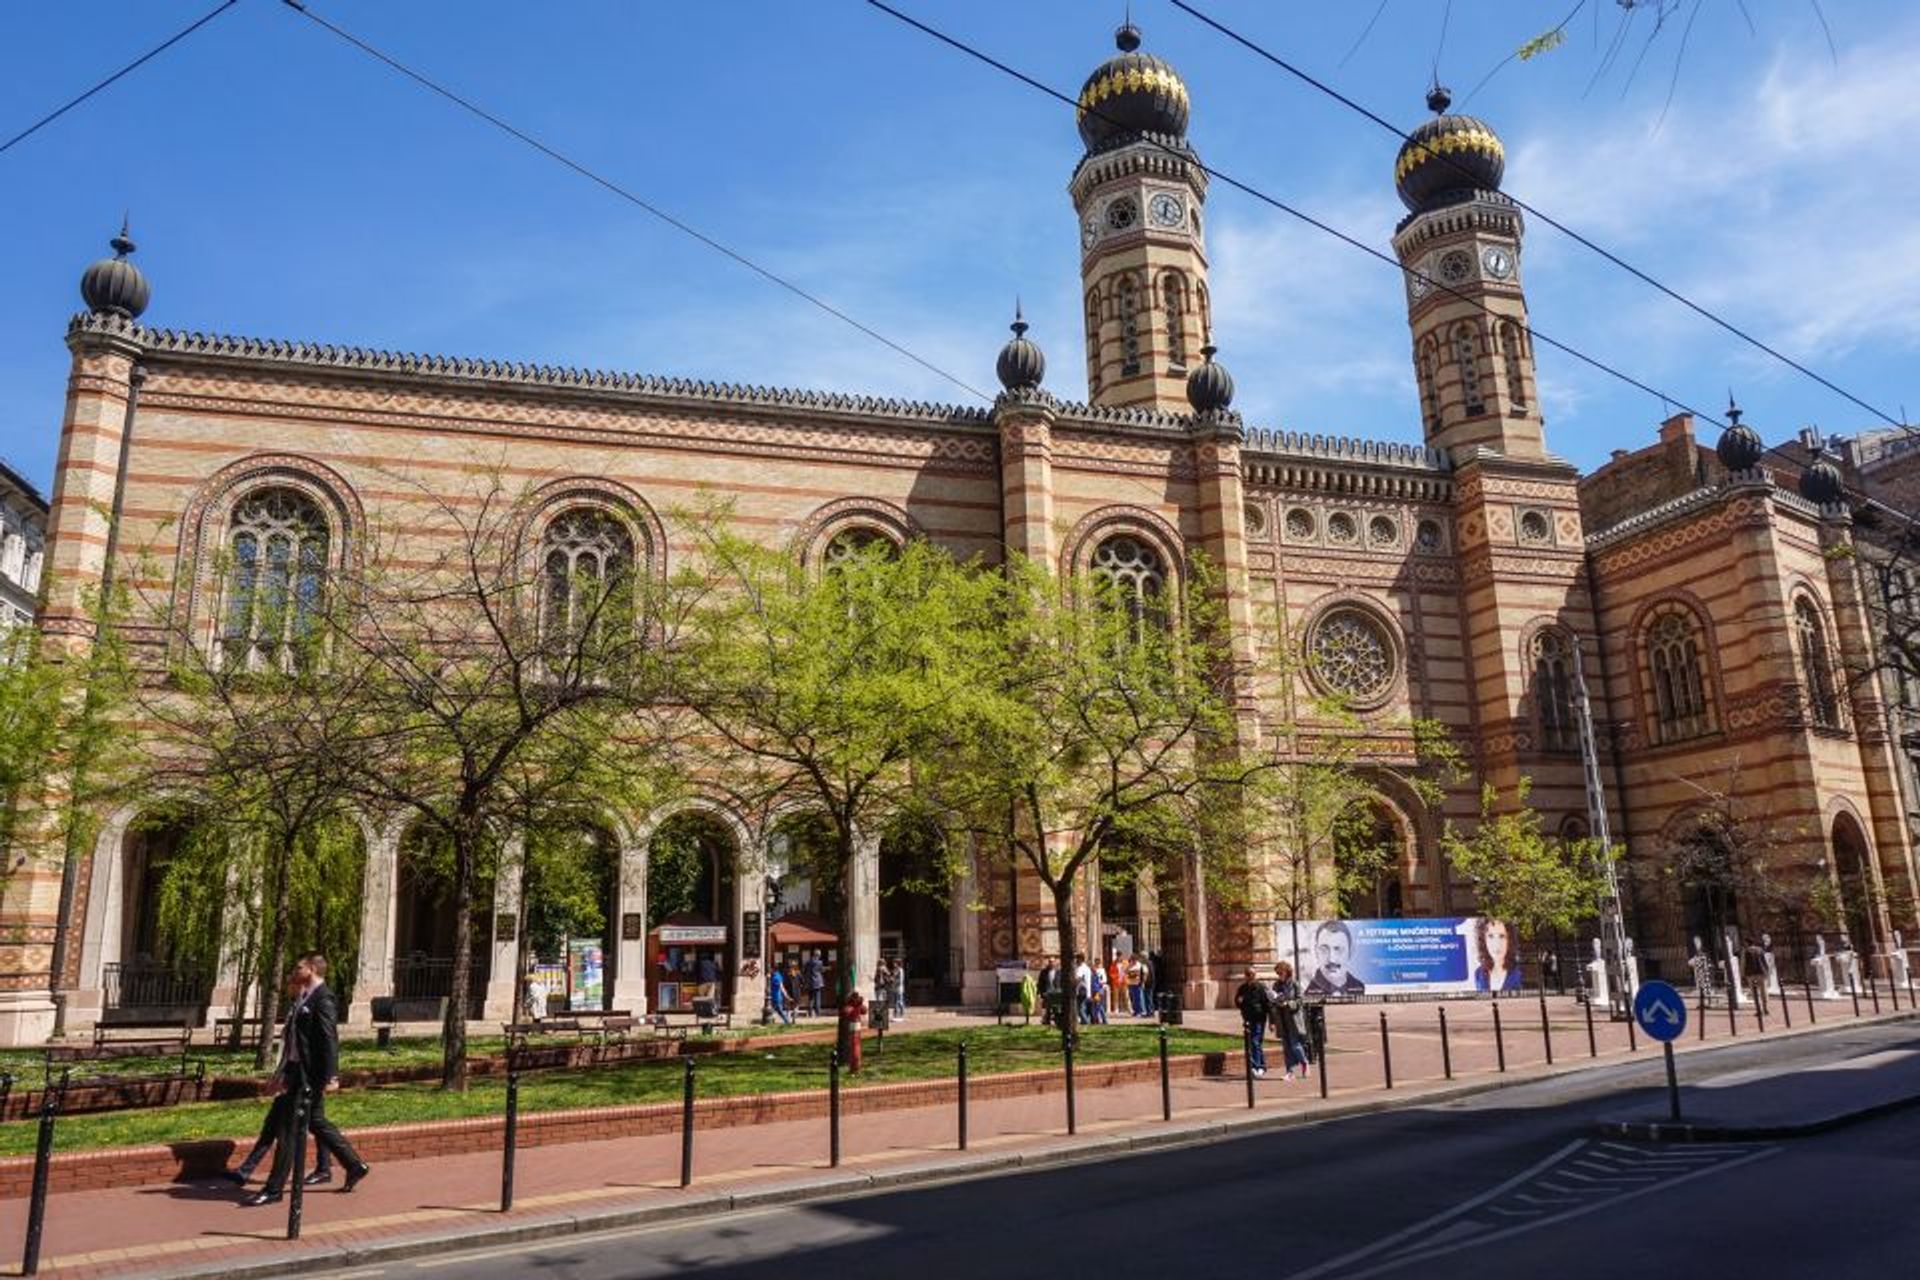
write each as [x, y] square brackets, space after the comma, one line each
[1137, 985]
[899, 990]
[1550, 971]
[1287, 1008]
[1097, 995]
[1755, 961]
[777, 995]
[1083, 987]
[1117, 984]
[309, 1069]
[274, 1128]
[1049, 985]
[1256, 1005]
[814, 972]
[707, 974]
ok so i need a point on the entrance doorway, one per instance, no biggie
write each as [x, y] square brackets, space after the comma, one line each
[163, 973]
[916, 912]
[1858, 901]
[690, 911]
[424, 921]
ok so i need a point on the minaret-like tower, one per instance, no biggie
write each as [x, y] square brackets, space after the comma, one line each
[1139, 191]
[1460, 245]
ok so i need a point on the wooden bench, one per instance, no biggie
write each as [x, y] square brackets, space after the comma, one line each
[249, 1032]
[679, 1025]
[387, 1010]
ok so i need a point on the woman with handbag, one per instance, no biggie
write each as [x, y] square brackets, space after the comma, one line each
[1287, 1008]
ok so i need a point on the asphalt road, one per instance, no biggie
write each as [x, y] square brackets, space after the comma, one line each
[1514, 1184]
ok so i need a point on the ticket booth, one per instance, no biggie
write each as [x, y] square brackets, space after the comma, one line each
[690, 960]
[795, 936]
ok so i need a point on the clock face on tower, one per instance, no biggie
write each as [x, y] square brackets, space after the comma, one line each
[1166, 210]
[1122, 213]
[1498, 262]
[1089, 231]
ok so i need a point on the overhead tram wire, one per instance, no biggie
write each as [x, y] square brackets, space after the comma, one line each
[1610, 256]
[608, 184]
[131, 67]
[1276, 203]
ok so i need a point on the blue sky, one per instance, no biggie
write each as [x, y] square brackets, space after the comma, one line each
[282, 185]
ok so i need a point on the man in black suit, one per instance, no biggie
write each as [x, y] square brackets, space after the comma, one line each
[309, 1063]
[274, 1128]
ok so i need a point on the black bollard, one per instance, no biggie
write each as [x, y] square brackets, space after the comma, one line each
[962, 1094]
[1893, 989]
[1910, 1002]
[1701, 1017]
[1386, 1050]
[1807, 985]
[1760, 1011]
[1633, 1037]
[1593, 1041]
[1446, 1047]
[1853, 989]
[1546, 1028]
[508, 1140]
[1873, 989]
[1499, 1038]
[50, 1099]
[686, 1123]
[833, 1109]
[1166, 1078]
[1320, 1048]
[297, 1140]
[1246, 1049]
[1733, 1013]
[1072, 1123]
[1786, 1007]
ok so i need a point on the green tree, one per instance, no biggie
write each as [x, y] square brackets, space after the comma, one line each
[830, 691]
[1520, 874]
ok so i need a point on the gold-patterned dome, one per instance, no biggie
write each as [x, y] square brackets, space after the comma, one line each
[1129, 94]
[1447, 158]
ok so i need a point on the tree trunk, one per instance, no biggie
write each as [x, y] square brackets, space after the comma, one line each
[273, 987]
[1069, 979]
[453, 1067]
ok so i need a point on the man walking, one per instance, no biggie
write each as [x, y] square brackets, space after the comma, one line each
[814, 973]
[274, 1128]
[309, 1065]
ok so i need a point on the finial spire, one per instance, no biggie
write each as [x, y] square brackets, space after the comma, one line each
[1438, 98]
[1127, 38]
[1733, 410]
[123, 243]
[1019, 325]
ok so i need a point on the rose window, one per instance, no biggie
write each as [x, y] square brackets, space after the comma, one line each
[1351, 655]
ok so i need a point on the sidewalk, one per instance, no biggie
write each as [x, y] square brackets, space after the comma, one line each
[197, 1227]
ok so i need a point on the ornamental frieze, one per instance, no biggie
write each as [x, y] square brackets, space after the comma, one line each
[1667, 538]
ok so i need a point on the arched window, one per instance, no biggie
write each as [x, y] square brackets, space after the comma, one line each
[1679, 687]
[1173, 297]
[276, 576]
[1429, 392]
[1093, 338]
[586, 572]
[1553, 689]
[1131, 574]
[1129, 329]
[850, 544]
[1816, 665]
[1467, 358]
[1510, 353]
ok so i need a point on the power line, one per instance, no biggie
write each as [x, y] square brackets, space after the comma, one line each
[1274, 202]
[135, 65]
[1557, 225]
[608, 184]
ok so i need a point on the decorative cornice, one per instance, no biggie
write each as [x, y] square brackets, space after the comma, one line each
[324, 357]
[1373, 453]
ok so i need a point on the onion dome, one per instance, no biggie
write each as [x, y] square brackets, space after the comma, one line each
[1448, 158]
[1210, 387]
[1021, 365]
[1820, 483]
[1129, 94]
[113, 286]
[1740, 446]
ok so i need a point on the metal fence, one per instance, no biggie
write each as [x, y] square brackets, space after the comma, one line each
[149, 984]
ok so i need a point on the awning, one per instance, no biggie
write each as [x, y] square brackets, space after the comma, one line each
[802, 929]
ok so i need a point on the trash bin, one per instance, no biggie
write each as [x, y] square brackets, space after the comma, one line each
[1168, 1003]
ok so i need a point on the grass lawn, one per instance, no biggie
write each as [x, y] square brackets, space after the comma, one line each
[921, 1055]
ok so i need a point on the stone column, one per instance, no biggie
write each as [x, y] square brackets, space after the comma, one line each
[99, 389]
[748, 981]
[631, 961]
[379, 902]
[505, 940]
[862, 946]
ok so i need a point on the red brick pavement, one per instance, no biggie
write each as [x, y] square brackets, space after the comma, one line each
[158, 1229]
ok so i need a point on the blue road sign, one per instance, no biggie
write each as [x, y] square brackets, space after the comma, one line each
[1660, 1011]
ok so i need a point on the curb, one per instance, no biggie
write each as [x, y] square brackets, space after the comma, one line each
[830, 1185]
[1709, 1131]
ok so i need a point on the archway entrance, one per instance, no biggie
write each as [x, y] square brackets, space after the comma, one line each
[1858, 899]
[168, 953]
[1369, 854]
[424, 922]
[568, 890]
[691, 946]
[916, 912]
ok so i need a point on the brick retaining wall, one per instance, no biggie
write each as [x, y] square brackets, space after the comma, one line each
[143, 1166]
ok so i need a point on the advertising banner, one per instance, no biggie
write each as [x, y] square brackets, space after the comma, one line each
[1445, 955]
[586, 966]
